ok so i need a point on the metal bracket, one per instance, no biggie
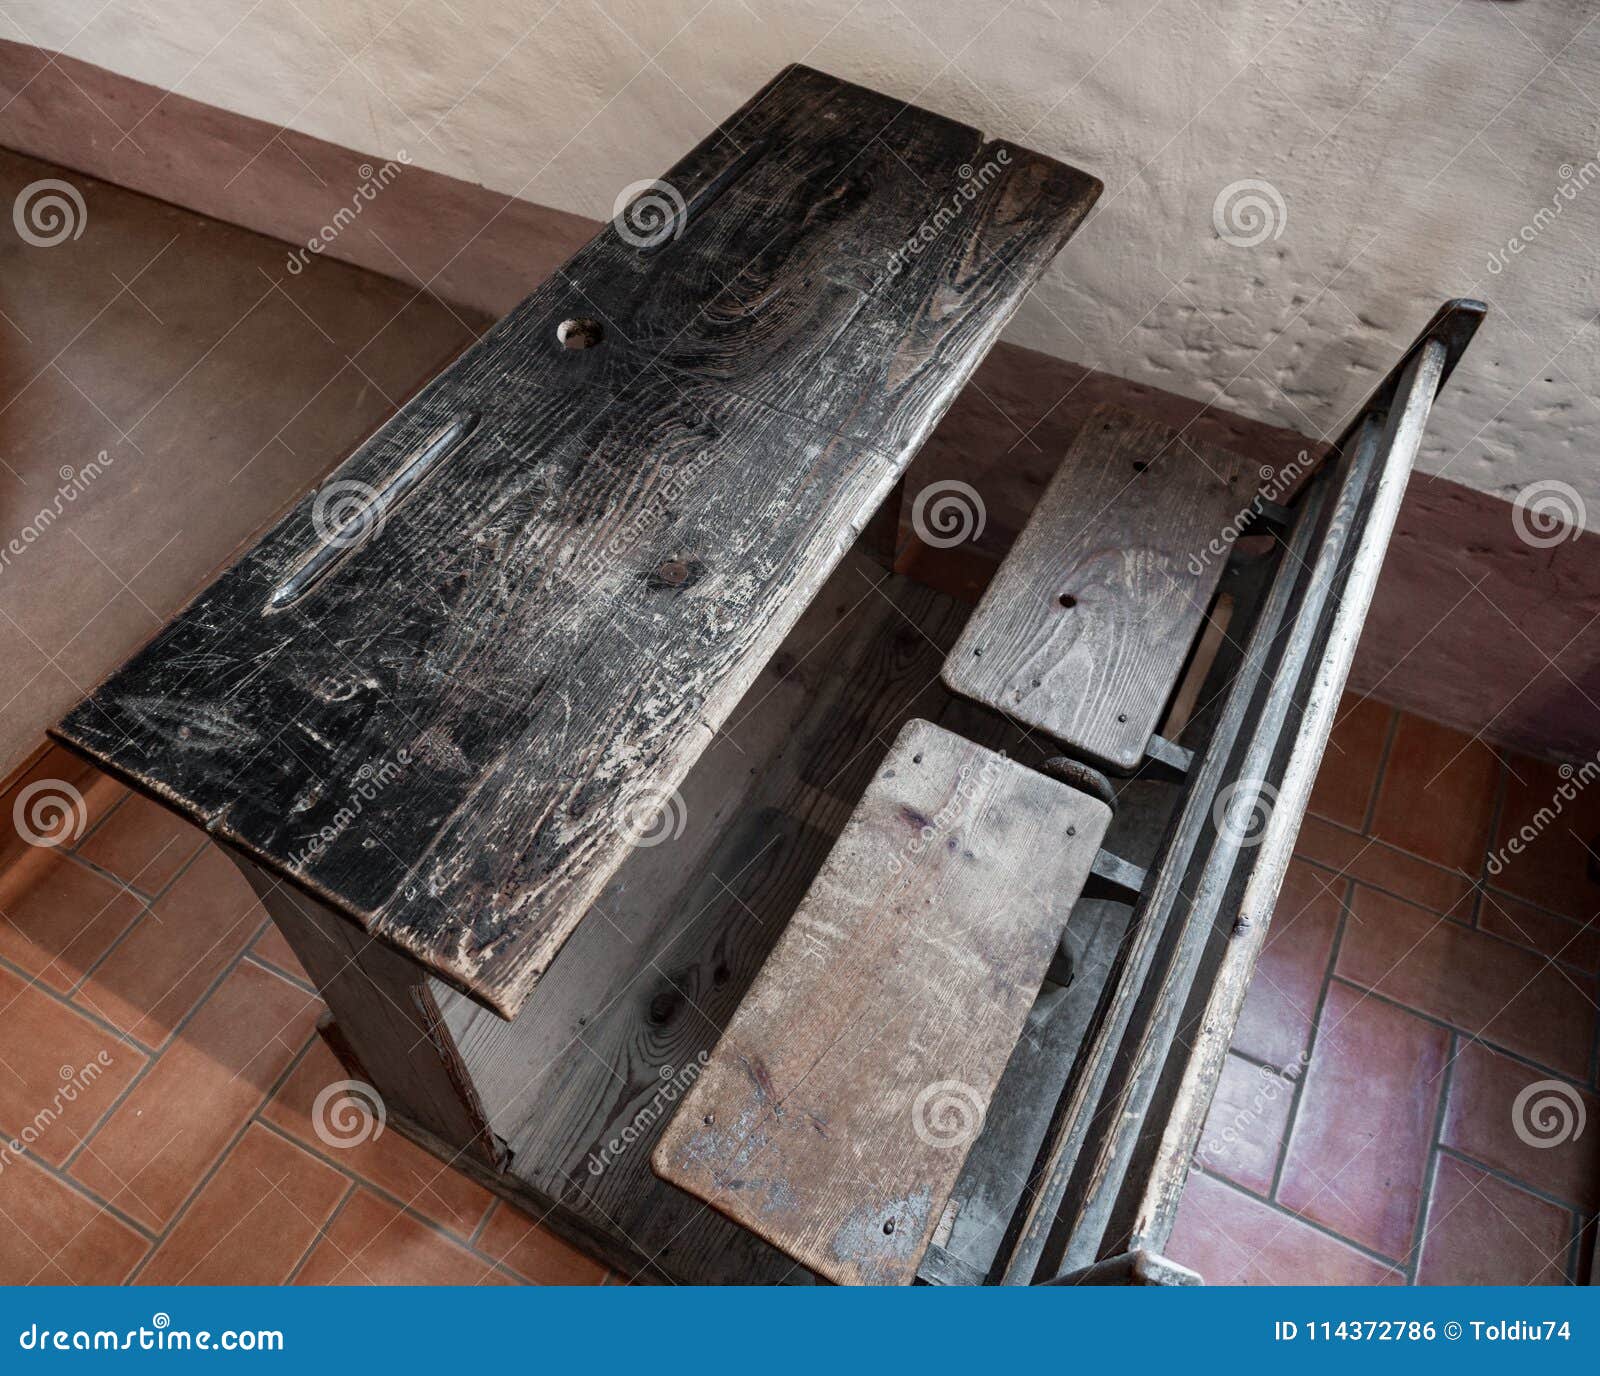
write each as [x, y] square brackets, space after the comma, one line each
[942, 1267]
[1166, 759]
[1113, 877]
[1266, 518]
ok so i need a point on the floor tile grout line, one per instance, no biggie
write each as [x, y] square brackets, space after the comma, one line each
[496, 1204]
[97, 1020]
[1506, 1177]
[1474, 1034]
[75, 851]
[99, 774]
[149, 911]
[156, 1053]
[1433, 865]
[1291, 1217]
[1313, 859]
[468, 1242]
[37, 979]
[1298, 1096]
[1510, 942]
[144, 897]
[1430, 1163]
[1338, 873]
[58, 1174]
[382, 1191]
[272, 966]
[208, 1173]
[1391, 730]
[321, 1234]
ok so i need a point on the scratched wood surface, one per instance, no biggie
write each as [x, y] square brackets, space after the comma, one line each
[836, 1112]
[556, 569]
[1087, 625]
[587, 1076]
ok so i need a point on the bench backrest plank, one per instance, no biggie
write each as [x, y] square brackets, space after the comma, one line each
[1087, 624]
[835, 1114]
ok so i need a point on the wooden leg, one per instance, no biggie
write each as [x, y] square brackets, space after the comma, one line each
[883, 531]
[386, 1018]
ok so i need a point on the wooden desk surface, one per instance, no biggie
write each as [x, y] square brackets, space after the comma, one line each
[450, 713]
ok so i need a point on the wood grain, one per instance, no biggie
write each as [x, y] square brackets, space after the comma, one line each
[535, 644]
[1087, 625]
[836, 1112]
[637, 998]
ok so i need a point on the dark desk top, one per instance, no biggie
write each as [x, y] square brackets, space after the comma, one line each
[451, 689]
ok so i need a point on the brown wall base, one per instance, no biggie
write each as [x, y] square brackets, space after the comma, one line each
[1471, 626]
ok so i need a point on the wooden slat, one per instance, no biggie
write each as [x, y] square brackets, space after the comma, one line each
[541, 636]
[1088, 623]
[834, 1116]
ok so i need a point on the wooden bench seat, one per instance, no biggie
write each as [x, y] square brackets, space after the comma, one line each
[1088, 622]
[835, 1114]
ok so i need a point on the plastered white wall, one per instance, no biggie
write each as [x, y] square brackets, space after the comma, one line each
[1408, 141]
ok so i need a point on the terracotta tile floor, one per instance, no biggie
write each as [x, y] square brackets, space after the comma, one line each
[1410, 1098]
[1375, 1124]
[159, 1065]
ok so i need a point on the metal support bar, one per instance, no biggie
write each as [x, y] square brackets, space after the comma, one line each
[1113, 877]
[1166, 759]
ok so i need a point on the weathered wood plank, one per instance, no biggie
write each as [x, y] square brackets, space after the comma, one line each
[388, 1020]
[639, 995]
[1087, 625]
[836, 1112]
[453, 728]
